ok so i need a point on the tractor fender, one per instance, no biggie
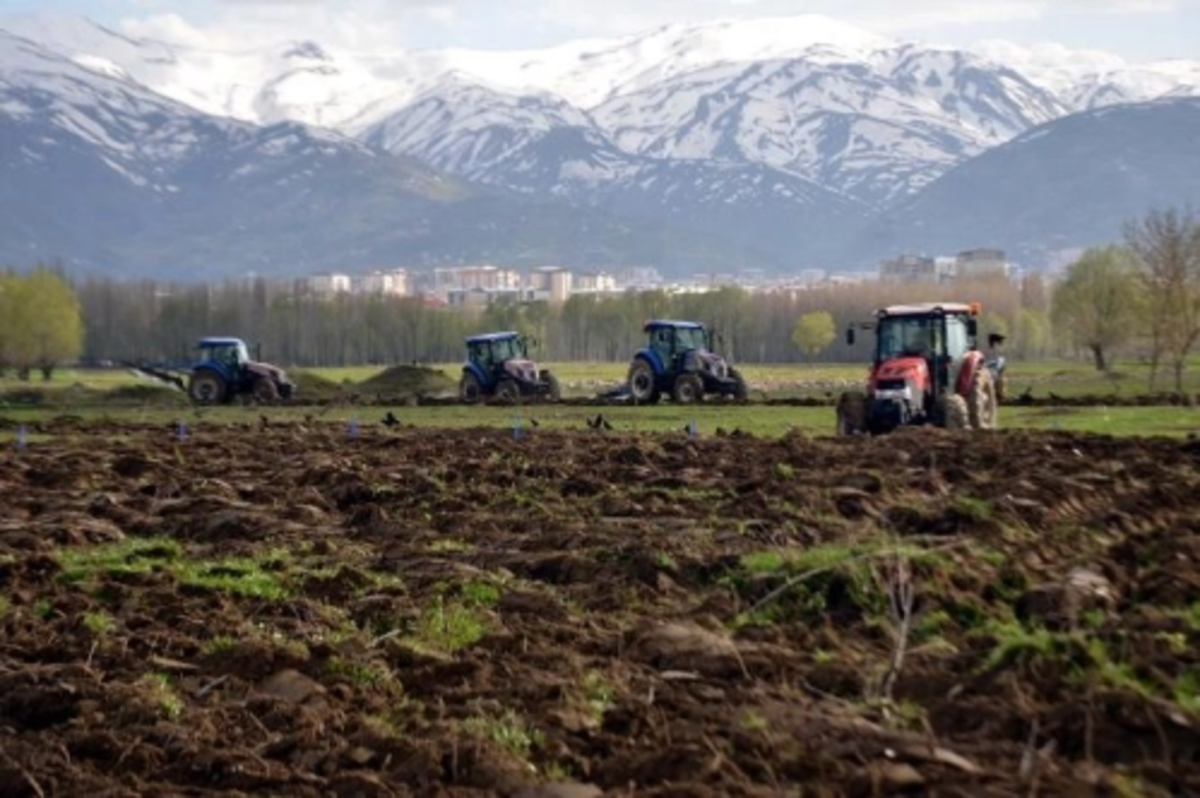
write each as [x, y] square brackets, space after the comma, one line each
[480, 374]
[971, 363]
[653, 358]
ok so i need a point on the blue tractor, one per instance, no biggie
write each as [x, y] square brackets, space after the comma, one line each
[223, 372]
[678, 360]
[498, 367]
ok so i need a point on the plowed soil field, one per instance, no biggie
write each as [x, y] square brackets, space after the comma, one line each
[292, 611]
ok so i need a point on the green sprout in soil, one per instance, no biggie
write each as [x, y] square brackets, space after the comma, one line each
[1015, 642]
[974, 508]
[366, 675]
[509, 731]
[449, 546]
[219, 645]
[754, 721]
[597, 692]
[134, 556]
[448, 626]
[99, 623]
[158, 687]
[1186, 691]
[480, 594]
[235, 577]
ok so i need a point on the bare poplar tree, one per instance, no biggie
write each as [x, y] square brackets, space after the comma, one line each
[1167, 245]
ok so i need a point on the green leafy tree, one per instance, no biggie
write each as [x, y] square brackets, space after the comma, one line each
[1096, 305]
[814, 332]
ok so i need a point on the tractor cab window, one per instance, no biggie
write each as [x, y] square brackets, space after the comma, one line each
[506, 349]
[958, 340]
[481, 353]
[690, 338]
[909, 336]
[229, 355]
[662, 341]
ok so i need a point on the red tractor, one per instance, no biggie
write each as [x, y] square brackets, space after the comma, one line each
[927, 369]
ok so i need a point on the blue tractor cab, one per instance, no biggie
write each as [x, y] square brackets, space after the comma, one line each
[225, 370]
[678, 360]
[498, 366]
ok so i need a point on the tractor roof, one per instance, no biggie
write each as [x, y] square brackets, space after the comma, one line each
[928, 308]
[495, 336]
[220, 341]
[658, 324]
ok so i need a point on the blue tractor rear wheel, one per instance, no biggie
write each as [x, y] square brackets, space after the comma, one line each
[206, 388]
[642, 383]
[469, 389]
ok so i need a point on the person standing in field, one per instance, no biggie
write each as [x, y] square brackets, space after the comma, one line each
[996, 362]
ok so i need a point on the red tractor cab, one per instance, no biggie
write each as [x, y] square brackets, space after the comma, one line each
[927, 369]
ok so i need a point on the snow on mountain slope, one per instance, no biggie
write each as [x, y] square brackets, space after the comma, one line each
[588, 74]
[294, 81]
[135, 129]
[871, 127]
[1084, 79]
[316, 85]
[468, 129]
[544, 146]
[858, 114]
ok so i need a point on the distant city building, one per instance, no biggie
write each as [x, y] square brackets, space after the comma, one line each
[982, 263]
[488, 277]
[394, 282]
[329, 283]
[594, 282]
[549, 284]
[913, 269]
[638, 277]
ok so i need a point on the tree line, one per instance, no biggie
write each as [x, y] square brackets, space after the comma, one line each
[1139, 298]
[1142, 294]
[155, 322]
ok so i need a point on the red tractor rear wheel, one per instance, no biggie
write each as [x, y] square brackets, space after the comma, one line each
[981, 400]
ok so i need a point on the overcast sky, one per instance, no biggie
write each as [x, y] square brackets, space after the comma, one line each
[1136, 29]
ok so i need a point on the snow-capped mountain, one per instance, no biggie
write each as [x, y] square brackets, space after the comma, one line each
[106, 175]
[770, 133]
[542, 145]
[1071, 183]
[872, 128]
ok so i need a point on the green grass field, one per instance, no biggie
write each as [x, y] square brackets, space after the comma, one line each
[80, 393]
[1068, 378]
[762, 421]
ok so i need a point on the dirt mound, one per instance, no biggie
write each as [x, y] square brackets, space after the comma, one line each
[312, 387]
[455, 612]
[409, 381]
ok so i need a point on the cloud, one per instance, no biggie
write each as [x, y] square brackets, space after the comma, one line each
[374, 25]
[363, 25]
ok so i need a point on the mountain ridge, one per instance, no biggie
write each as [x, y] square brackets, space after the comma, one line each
[808, 154]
